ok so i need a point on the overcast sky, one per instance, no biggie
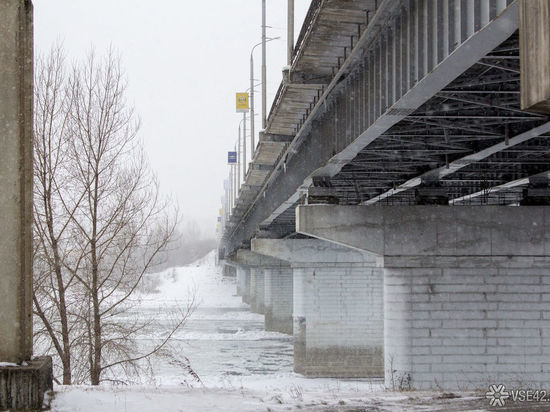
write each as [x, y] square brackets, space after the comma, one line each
[184, 60]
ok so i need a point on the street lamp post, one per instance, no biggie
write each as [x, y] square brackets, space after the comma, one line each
[252, 100]
[290, 31]
[235, 183]
[244, 145]
[243, 121]
[252, 93]
[264, 75]
[238, 163]
[230, 186]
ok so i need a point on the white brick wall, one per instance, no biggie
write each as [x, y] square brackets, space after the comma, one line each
[279, 291]
[257, 292]
[243, 281]
[337, 307]
[252, 284]
[467, 327]
[342, 305]
[259, 286]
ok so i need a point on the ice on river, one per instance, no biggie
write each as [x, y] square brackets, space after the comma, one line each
[242, 367]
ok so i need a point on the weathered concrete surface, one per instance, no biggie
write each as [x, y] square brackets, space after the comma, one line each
[24, 387]
[278, 284]
[21, 387]
[466, 290]
[534, 18]
[431, 230]
[337, 307]
[301, 251]
[251, 259]
[338, 321]
[16, 100]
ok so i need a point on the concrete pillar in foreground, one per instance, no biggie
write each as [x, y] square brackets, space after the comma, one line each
[16, 180]
[337, 307]
[21, 387]
[535, 55]
[466, 289]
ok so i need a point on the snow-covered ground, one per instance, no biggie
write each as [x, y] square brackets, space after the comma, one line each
[241, 366]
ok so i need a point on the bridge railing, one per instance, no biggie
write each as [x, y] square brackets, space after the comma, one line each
[308, 22]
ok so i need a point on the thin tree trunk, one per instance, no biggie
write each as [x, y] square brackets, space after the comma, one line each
[96, 370]
[66, 354]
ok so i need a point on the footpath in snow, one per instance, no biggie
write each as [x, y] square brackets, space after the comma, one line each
[241, 366]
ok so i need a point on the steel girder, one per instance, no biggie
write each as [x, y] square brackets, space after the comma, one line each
[411, 62]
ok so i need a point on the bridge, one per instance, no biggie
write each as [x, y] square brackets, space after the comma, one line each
[394, 217]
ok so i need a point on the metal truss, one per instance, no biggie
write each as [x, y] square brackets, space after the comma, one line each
[424, 106]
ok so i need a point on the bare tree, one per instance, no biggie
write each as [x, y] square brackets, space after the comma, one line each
[52, 283]
[101, 222]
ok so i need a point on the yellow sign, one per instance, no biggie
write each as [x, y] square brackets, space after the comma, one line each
[242, 102]
[221, 212]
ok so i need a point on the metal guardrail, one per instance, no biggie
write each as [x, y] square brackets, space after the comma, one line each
[313, 10]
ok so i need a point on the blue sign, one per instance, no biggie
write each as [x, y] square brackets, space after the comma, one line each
[231, 158]
[219, 218]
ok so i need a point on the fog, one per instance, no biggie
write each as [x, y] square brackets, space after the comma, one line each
[184, 62]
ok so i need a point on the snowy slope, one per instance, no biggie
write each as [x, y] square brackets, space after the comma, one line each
[242, 367]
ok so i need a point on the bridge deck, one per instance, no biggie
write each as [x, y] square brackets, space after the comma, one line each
[413, 102]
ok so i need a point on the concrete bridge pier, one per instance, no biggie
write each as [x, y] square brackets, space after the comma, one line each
[229, 270]
[337, 307]
[241, 273]
[257, 290]
[243, 282]
[466, 289]
[278, 303]
[251, 277]
[22, 386]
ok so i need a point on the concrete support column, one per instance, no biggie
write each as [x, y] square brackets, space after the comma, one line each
[257, 290]
[278, 299]
[252, 267]
[229, 270]
[243, 282]
[534, 19]
[21, 387]
[466, 290]
[16, 82]
[337, 307]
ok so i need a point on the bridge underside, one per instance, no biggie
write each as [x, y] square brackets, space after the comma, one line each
[470, 144]
[421, 105]
[420, 110]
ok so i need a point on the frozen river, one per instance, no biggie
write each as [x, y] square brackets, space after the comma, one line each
[222, 339]
[241, 366]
